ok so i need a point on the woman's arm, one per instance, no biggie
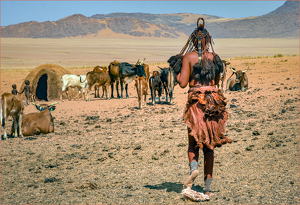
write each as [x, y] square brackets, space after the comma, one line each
[183, 78]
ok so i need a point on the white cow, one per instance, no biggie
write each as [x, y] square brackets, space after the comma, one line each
[74, 81]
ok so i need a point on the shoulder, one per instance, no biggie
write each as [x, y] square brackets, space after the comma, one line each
[190, 58]
[191, 55]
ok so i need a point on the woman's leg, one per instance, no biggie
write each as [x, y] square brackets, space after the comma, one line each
[193, 155]
[208, 169]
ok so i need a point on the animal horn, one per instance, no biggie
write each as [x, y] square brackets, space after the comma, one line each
[233, 69]
[160, 67]
[53, 104]
[246, 70]
[138, 62]
[228, 60]
[37, 106]
[143, 61]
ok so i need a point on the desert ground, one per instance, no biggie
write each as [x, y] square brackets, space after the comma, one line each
[110, 152]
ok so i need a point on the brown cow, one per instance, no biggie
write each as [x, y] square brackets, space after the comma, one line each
[99, 69]
[41, 122]
[240, 82]
[114, 74]
[223, 75]
[141, 86]
[98, 79]
[11, 105]
[146, 68]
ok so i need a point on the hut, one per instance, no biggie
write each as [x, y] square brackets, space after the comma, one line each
[45, 81]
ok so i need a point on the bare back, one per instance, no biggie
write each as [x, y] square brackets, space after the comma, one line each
[187, 74]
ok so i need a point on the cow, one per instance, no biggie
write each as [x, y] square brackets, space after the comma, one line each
[74, 81]
[41, 122]
[240, 82]
[146, 68]
[114, 73]
[141, 86]
[155, 84]
[223, 75]
[13, 106]
[168, 78]
[99, 69]
[124, 73]
[97, 79]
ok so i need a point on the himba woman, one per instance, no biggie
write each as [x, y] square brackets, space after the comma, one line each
[205, 114]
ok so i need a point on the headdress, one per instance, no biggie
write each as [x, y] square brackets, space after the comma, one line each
[199, 38]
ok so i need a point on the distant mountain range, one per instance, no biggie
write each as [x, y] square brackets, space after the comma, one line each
[280, 23]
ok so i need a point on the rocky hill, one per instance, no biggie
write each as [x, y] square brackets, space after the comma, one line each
[283, 22]
[79, 25]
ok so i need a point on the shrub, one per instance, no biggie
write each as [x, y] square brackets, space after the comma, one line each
[278, 56]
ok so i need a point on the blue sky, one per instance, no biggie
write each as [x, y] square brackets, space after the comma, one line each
[14, 12]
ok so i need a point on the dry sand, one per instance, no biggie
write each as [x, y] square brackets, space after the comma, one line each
[111, 152]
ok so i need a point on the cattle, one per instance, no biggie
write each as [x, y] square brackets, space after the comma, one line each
[146, 68]
[74, 81]
[41, 122]
[168, 78]
[155, 84]
[13, 106]
[99, 69]
[114, 73]
[240, 82]
[124, 73]
[97, 79]
[141, 86]
[223, 75]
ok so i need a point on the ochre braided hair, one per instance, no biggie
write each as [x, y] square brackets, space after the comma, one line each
[200, 33]
[192, 44]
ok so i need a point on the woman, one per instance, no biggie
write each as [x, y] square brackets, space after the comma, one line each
[205, 113]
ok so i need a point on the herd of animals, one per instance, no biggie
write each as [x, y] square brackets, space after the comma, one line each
[105, 77]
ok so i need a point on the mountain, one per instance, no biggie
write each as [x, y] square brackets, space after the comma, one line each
[79, 25]
[280, 23]
[286, 8]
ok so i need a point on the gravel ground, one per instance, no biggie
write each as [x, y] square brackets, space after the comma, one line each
[111, 152]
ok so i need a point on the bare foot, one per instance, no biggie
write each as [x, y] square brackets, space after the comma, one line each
[189, 182]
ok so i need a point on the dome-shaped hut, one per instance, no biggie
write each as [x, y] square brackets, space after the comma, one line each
[45, 81]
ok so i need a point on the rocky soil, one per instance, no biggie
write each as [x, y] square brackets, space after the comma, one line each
[111, 152]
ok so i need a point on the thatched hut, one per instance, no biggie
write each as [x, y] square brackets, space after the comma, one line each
[45, 81]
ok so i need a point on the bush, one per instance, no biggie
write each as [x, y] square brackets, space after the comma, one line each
[278, 56]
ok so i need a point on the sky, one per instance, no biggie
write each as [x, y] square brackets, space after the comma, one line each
[14, 12]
